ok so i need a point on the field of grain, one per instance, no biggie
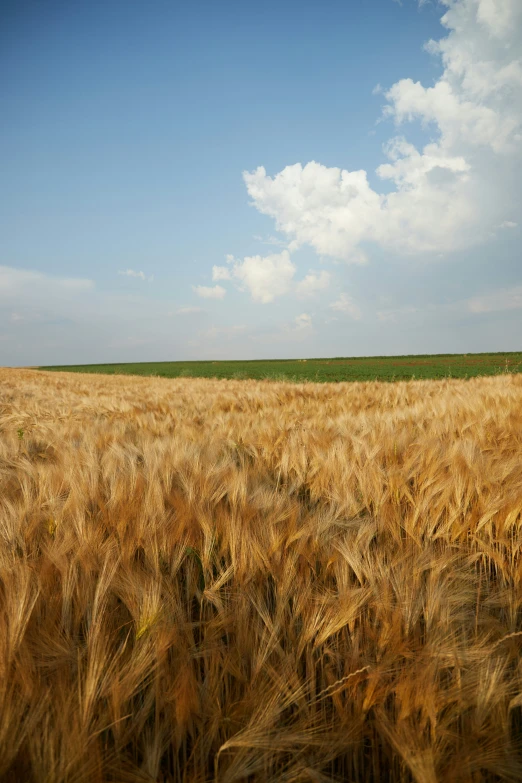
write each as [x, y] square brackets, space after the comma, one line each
[206, 580]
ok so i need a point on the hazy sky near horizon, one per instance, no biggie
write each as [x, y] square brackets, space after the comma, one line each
[193, 180]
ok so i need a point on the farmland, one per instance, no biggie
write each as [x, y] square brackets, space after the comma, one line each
[373, 368]
[222, 580]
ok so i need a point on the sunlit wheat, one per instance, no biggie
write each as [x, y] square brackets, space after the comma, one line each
[206, 580]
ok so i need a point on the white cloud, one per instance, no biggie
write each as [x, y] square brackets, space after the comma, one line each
[458, 118]
[206, 292]
[268, 277]
[327, 208]
[313, 283]
[508, 224]
[345, 304]
[446, 196]
[264, 277]
[303, 322]
[497, 16]
[502, 299]
[271, 240]
[132, 273]
[221, 273]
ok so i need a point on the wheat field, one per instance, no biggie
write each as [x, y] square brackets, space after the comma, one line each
[213, 581]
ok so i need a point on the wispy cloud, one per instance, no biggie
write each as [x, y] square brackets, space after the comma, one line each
[313, 283]
[298, 330]
[302, 322]
[500, 300]
[272, 241]
[207, 292]
[16, 281]
[221, 273]
[345, 304]
[132, 273]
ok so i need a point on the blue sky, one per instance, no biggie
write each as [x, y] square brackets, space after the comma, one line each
[240, 180]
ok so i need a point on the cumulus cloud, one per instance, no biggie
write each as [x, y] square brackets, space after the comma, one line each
[207, 292]
[345, 304]
[268, 277]
[327, 208]
[313, 283]
[450, 194]
[264, 277]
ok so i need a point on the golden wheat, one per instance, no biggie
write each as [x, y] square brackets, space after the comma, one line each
[206, 580]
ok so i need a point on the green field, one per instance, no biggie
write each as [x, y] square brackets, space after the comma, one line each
[366, 368]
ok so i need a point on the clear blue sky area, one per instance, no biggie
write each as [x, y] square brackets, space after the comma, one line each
[127, 127]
